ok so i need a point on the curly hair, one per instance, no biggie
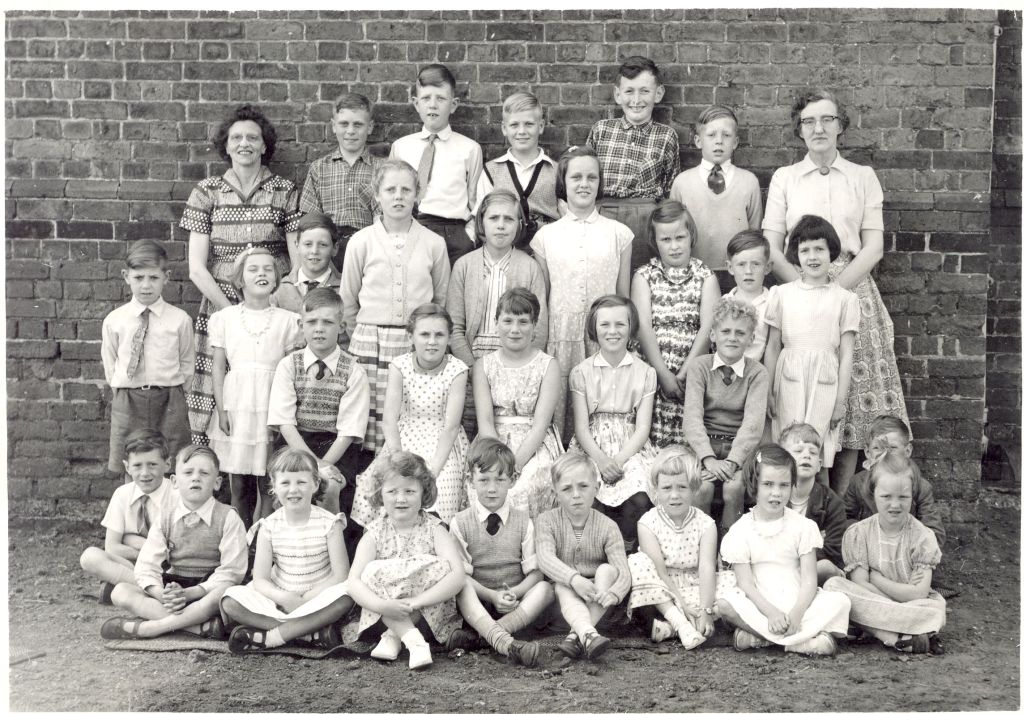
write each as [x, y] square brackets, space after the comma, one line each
[733, 309]
[246, 112]
[809, 96]
[407, 465]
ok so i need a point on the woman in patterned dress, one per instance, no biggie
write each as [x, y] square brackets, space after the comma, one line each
[849, 197]
[248, 205]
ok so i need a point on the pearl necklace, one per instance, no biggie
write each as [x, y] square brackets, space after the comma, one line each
[268, 312]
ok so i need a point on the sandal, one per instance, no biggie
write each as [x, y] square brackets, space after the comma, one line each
[243, 640]
[113, 629]
[213, 629]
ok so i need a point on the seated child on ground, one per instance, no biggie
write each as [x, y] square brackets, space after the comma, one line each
[675, 568]
[581, 551]
[771, 549]
[298, 576]
[133, 508]
[194, 553]
[889, 561]
[407, 566]
[497, 545]
[890, 434]
[813, 499]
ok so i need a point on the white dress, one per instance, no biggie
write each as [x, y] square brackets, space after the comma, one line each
[773, 550]
[254, 342]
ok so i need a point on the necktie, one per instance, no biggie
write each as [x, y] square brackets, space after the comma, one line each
[716, 179]
[137, 342]
[727, 374]
[321, 369]
[310, 285]
[142, 515]
[191, 519]
[426, 164]
[493, 523]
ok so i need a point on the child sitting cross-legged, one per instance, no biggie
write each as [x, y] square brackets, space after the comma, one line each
[298, 577]
[192, 555]
[497, 545]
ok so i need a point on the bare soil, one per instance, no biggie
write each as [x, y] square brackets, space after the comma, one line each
[54, 612]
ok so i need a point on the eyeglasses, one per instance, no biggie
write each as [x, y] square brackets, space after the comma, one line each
[826, 121]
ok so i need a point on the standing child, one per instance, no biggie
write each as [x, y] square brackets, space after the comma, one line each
[407, 566]
[339, 184]
[449, 164]
[515, 389]
[319, 403]
[588, 253]
[723, 415]
[298, 576]
[674, 569]
[675, 296]
[497, 546]
[391, 268]
[748, 263]
[613, 397]
[249, 338]
[639, 156]
[722, 198]
[889, 562]
[316, 245]
[192, 555]
[133, 507]
[148, 356]
[812, 324]
[813, 499]
[423, 414]
[524, 170]
[771, 549]
[581, 551]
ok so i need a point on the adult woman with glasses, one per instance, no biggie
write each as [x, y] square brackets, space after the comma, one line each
[849, 196]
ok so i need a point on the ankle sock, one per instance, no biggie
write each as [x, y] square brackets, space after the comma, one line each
[272, 638]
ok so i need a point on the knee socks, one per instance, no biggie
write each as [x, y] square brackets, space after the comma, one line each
[496, 636]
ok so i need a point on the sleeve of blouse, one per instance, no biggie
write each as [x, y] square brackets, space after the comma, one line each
[577, 381]
[773, 308]
[537, 244]
[215, 329]
[775, 206]
[735, 548]
[292, 214]
[197, 217]
[650, 382]
[849, 320]
[873, 198]
[855, 547]
[924, 549]
[623, 237]
[810, 536]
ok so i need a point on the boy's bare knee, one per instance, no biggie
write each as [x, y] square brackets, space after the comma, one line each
[91, 559]
[733, 490]
[231, 607]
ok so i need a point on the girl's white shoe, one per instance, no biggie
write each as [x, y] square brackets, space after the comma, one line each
[388, 648]
[821, 645]
[419, 650]
[660, 630]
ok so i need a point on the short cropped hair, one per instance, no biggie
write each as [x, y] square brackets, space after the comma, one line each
[238, 273]
[732, 308]
[715, 111]
[428, 309]
[518, 301]
[434, 75]
[486, 452]
[670, 211]
[386, 165]
[576, 152]
[632, 67]
[675, 459]
[321, 297]
[498, 195]
[747, 239]
[354, 102]
[246, 112]
[146, 253]
[190, 451]
[801, 432]
[316, 219]
[571, 461]
[407, 465]
[766, 455]
[612, 301]
[141, 441]
[809, 96]
[809, 228]
[288, 459]
[888, 424]
[892, 463]
[520, 102]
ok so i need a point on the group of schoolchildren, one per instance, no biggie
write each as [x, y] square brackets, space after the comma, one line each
[616, 401]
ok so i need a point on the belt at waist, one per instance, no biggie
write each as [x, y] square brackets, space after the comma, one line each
[511, 419]
[440, 219]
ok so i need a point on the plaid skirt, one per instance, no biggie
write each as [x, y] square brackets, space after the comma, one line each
[374, 347]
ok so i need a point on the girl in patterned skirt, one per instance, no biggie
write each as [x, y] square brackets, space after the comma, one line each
[675, 296]
[391, 267]
[298, 582]
[423, 414]
[407, 566]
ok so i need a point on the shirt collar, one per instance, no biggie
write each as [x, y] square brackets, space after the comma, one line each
[443, 135]
[136, 493]
[205, 511]
[157, 308]
[500, 263]
[706, 166]
[600, 361]
[806, 166]
[301, 277]
[263, 176]
[507, 156]
[592, 218]
[626, 125]
[738, 368]
[336, 155]
[762, 297]
[503, 512]
[330, 360]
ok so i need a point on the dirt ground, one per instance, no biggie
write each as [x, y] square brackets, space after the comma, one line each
[53, 610]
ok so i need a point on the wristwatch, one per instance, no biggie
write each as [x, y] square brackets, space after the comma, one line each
[709, 610]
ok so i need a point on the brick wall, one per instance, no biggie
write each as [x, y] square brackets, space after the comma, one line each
[1003, 382]
[109, 114]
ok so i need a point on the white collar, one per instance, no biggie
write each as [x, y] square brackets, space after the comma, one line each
[301, 277]
[205, 511]
[738, 368]
[706, 166]
[507, 156]
[157, 308]
[762, 296]
[806, 166]
[500, 262]
[590, 218]
[331, 360]
[600, 361]
[135, 493]
[503, 512]
[443, 134]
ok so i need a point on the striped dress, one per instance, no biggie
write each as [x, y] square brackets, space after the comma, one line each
[216, 208]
